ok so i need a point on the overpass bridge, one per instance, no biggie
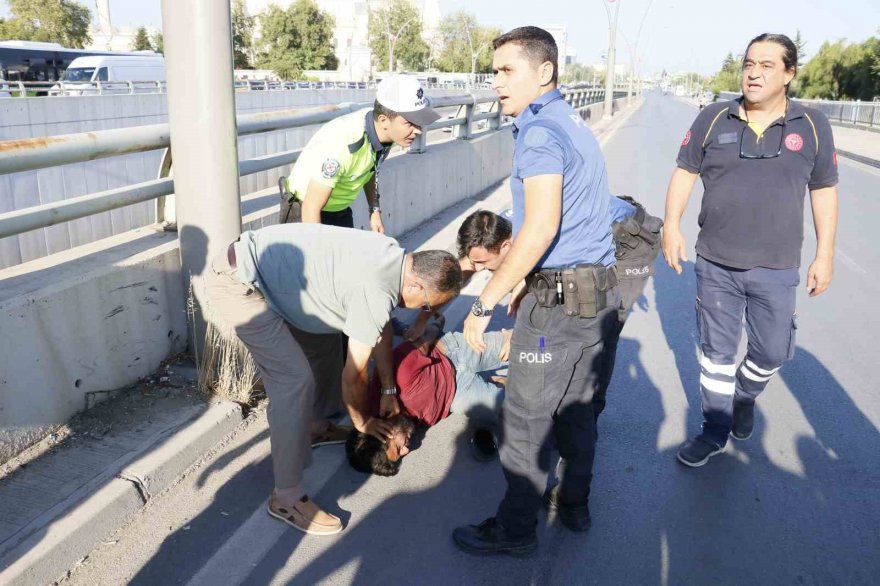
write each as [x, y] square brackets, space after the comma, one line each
[178, 496]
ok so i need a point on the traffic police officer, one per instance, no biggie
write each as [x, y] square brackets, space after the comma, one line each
[344, 156]
[756, 155]
[561, 269]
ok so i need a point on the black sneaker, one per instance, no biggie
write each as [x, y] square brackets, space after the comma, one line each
[743, 420]
[696, 452]
[574, 517]
[490, 537]
[484, 445]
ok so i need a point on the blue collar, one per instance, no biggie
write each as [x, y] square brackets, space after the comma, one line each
[535, 107]
[370, 129]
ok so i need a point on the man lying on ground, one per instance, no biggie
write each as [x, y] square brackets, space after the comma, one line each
[436, 375]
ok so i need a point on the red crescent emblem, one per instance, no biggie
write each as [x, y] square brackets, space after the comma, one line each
[687, 138]
[794, 142]
[835, 158]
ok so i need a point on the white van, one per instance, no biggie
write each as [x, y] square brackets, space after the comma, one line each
[83, 75]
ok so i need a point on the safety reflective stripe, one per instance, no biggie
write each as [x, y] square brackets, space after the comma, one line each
[760, 370]
[717, 386]
[711, 368]
[752, 376]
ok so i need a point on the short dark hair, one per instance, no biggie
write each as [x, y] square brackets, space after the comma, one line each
[536, 43]
[439, 270]
[484, 229]
[789, 55]
[380, 110]
[367, 454]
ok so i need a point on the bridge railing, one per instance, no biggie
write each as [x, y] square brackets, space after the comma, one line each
[476, 113]
[856, 112]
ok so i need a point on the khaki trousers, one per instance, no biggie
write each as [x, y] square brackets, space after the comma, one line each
[289, 362]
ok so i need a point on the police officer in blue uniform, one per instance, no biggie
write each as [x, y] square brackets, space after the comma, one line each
[757, 157]
[560, 270]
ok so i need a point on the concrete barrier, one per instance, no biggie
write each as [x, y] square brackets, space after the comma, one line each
[85, 321]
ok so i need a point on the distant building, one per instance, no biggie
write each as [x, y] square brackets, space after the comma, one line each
[351, 42]
[106, 37]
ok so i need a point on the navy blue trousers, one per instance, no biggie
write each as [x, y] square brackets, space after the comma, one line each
[725, 296]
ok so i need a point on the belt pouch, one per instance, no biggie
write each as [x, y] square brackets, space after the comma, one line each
[588, 292]
[544, 290]
[570, 293]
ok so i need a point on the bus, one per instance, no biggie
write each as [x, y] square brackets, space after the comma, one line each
[29, 61]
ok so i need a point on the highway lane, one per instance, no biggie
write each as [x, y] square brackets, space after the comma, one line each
[799, 503]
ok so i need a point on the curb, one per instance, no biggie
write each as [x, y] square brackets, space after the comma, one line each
[94, 513]
[860, 158]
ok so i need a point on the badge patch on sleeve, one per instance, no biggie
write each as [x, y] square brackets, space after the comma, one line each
[687, 138]
[330, 168]
[794, 142]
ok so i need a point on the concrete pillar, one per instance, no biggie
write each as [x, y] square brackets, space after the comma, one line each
[201, 112]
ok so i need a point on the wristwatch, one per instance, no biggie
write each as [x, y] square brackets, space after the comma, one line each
[374, 209]
[390, 391]
[480, 310]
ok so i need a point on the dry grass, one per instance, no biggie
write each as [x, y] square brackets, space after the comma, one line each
[226, 369]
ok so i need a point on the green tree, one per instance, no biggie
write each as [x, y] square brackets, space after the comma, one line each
[296, 39]
[729, 79]
[395, 37]
[141, 41]
[242, 36]
[822, 77]
[467, 46]
[578, 72]
[50, 21]
[159, 43]
[801, 45]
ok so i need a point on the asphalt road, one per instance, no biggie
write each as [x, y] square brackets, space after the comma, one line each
[798, 503]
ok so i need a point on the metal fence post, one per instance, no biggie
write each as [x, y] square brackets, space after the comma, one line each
[464, 131]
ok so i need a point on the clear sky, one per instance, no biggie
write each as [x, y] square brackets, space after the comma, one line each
[678, 35]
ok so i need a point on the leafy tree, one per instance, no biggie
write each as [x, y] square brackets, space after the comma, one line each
[296, 39]
[801, 45]
[159, 43]
[729, 79]
[49, 21]
[467, 46]
[578, 72]
[395, 37]
[141, 41]
[242, 36]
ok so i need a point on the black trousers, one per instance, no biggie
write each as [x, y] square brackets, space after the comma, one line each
[555, 363]
[291, 213]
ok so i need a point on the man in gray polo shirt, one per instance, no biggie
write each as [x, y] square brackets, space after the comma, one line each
[276, 286]
[757, 156]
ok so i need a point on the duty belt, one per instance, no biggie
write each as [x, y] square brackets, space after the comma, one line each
[582, 290]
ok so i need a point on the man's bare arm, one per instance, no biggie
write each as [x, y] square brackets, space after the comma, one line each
[354, 391]
[824, 205]
[677, 196]
[317, 196]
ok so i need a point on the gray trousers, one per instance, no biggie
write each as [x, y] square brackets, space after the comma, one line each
[548, 407]
[288, 361]
[767, 299]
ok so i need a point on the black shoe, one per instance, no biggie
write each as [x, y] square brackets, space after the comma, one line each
[491, 537]
[743, 420]
[574, 517]
[484, 445]
[696, 452]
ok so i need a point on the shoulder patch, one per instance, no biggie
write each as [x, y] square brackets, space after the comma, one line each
[536, 136]
[330, 168]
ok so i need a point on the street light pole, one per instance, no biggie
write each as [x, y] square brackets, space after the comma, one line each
[609, 71]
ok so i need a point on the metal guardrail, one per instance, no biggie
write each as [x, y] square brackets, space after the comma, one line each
[856, 112]
[43, 152]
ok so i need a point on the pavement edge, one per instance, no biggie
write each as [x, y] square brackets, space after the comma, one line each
[48, 553]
